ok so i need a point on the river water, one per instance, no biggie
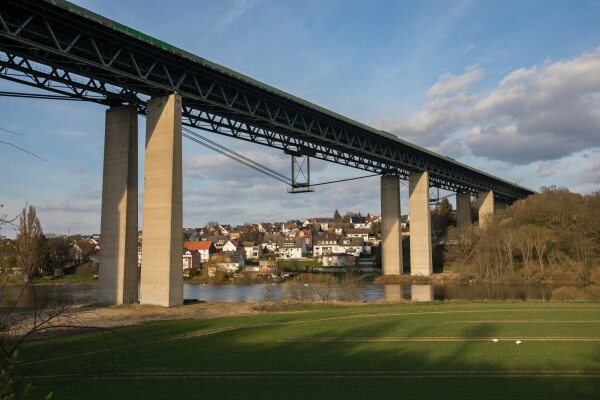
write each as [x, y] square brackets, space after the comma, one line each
[70, 294]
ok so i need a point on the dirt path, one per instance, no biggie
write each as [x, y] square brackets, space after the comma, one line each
[115, 316]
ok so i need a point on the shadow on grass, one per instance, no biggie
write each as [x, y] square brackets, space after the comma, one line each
[292, 356]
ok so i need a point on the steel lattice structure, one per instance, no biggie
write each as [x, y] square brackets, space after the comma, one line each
[63, 48]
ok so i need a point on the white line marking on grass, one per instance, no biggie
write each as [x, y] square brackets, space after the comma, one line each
[325, 374]
[434, 339]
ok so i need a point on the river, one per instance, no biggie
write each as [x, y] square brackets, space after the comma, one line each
[74, 294]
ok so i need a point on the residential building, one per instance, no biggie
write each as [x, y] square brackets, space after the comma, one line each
[225, 229]
[359, 223]
[354, 246]
[271, 242]
[229, 261]
[252, 250]
[218, 240]
[337, 228]
[231, 246]
[191, 259]
[308, 238]
[205, 249]
[359, 233]
[326, 244]
[292, 248]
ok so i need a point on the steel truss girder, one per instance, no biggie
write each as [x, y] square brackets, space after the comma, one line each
[45, 48]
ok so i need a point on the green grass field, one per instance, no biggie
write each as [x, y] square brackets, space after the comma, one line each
[411, 351]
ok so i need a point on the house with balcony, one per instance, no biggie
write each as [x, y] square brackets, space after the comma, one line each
[325, 244]
[292, 248]
[354, 246]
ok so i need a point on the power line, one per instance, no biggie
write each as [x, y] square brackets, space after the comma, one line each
[14, 133]
[23, 150]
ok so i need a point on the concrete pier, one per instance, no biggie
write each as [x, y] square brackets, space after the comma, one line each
[420, 224]
[162, 276]
[391, 239]
[463, 210]
[118, 275]
[485, 202]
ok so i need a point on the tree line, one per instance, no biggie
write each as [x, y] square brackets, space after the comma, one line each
[33, 253]
[552, 236]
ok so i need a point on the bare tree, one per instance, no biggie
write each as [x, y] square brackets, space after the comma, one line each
[325, 286]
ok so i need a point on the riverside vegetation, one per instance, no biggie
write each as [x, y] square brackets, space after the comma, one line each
[549, 238]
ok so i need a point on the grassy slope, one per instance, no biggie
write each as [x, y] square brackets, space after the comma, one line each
[415, 350]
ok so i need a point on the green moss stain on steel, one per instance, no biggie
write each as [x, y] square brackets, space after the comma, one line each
[144, 37]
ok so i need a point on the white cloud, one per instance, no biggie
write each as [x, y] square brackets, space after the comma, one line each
[548, 168]
[592, 173]
[236, 12]
[449, 84]
[539, 113]
[70, 207]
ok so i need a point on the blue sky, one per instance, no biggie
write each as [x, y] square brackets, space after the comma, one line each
[512, 88]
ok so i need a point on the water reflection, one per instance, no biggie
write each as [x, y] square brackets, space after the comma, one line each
[421, 293]
[42, 296]
[73, 294]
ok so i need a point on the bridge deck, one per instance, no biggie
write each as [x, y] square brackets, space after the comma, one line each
[61, 47]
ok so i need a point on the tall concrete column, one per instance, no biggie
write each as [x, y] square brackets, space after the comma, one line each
[420, 224]
[463, 210]
[391, 228]
[118, 275]
[162, 276]
[485, 202]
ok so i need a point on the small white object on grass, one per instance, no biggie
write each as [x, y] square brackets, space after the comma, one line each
[518, 342]
[495, 340]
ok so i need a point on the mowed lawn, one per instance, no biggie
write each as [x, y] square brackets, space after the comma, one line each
[406, 351]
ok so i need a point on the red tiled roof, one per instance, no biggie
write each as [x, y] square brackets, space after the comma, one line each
[197, 245]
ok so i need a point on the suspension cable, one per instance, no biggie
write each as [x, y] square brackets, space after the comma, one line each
[240, 156]
[38, 96]
[231, 156]
[344, 180]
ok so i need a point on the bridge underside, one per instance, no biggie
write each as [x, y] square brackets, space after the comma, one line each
[72, 52]
[68, 50]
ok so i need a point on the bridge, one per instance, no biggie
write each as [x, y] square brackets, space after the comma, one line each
[65, 49]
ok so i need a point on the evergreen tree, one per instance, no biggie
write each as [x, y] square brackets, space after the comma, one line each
[337, 217]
